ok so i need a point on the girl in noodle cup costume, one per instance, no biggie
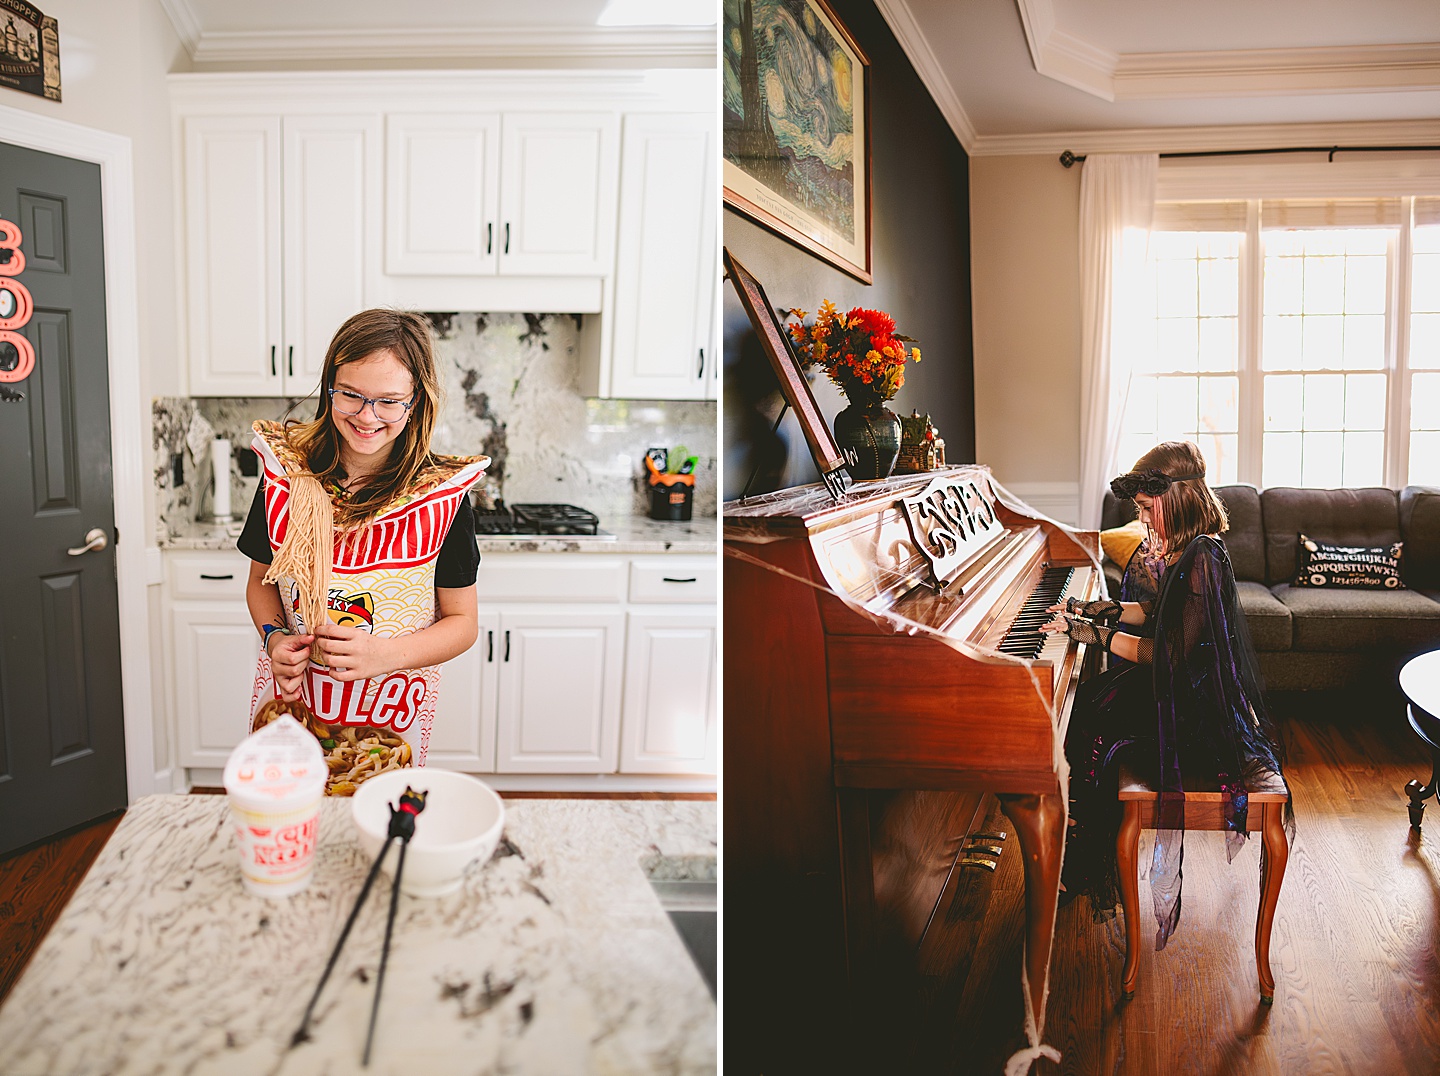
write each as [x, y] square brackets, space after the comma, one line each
[364, 553]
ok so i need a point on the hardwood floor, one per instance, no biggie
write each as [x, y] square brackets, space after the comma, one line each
[1355, 948]
[35, 885]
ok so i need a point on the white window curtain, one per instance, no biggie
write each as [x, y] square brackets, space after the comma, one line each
[1117, 207]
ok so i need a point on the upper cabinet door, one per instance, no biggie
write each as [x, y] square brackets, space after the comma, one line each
[332, 194]
[232, 248]
[557, 205]
[442, 176]
[665, 267]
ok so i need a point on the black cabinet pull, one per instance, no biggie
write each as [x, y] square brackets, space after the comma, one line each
[701, 372]
[490, 237]
[290, 361]
[668, 579]
[204, 576]
[507, 645]
[489, 646]
[507, 237]
[273, 371]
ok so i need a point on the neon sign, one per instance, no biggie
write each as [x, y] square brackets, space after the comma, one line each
[16, 306]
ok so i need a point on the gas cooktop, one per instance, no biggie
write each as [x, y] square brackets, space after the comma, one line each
[538, 521]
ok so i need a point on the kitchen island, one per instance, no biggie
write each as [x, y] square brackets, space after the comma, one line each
[553, 958]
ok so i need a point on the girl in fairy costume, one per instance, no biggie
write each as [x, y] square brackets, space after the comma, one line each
[364, 553]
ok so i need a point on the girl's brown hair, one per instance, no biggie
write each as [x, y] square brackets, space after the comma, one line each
[406, 336]
[1187, 509]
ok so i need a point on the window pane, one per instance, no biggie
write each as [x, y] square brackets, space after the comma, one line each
[1219, 404]
[1177, 345]
[1178, 407]
[1365, 285]
[1169, 245]
[1284, 402]
[1324, 285]
[1283, 242]
[1140, 409]
[1219, 344]
[1425, 458]
[1221, 454]
[1324, 402]
[1282, 460]
[1426, 239]
[1425, 283]
[1367, 240]
[1364, 459]
[1322, 465]
[1425, 342]
[1364, 341]
[1219, 287]
[1135, 445]
[1425, 402]
[1322, 339]
[1280, 348]
[1365, 402]
[1176, 289]
[1321, 241]
[1284, 285]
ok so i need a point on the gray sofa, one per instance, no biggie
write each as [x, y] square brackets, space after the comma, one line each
[1321, 638]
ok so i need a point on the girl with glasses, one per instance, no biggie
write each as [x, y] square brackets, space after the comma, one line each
[1182, 697]
[364, 553]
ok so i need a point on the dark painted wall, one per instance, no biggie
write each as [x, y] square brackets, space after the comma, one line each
[921, 259]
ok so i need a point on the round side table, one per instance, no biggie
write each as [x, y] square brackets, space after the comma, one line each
[1420, 680]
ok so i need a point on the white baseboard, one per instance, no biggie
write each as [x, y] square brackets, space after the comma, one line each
[535, 782]
[1058, 500]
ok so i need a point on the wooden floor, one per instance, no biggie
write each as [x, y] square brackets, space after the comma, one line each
[35, 885]
[1355, 949]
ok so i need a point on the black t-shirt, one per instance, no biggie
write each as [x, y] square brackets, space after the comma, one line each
[455, 568]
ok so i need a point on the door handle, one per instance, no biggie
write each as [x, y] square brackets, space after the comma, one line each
[507, 645]
[94, 539]
[290, 361]
[273, 372]
[490, 237]
[701, 372]
[489, 646]
[507, 237]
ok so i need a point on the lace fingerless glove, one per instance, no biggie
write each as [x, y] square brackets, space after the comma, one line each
[1106, 610]
[1082, 631]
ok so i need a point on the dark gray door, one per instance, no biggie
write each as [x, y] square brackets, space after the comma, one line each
[62, 735]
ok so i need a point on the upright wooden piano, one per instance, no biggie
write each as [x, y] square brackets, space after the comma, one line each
[883, 674]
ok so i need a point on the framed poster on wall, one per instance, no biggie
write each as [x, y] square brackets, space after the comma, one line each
[797, 127]
[29, 50]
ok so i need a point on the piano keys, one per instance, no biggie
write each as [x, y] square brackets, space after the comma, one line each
[874, 699]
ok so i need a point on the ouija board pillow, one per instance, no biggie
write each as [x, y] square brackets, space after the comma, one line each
[1374, 568]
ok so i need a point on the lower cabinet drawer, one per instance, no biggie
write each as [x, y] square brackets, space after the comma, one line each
[688, 580]
[550, 578]
[209, 575]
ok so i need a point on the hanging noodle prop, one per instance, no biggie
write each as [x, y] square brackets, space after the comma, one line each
[308, 550]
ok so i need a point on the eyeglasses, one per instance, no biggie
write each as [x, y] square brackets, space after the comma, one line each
[352, 403]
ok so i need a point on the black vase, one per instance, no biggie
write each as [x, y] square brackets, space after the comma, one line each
[873, 431]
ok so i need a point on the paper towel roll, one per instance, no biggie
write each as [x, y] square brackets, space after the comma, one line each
[220, 457]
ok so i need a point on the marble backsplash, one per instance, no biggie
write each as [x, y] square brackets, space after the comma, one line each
[511, 393]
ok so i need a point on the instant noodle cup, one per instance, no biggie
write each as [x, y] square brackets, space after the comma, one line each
[275, 781]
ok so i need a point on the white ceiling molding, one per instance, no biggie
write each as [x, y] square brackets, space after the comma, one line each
[1145, 76]
[187, 26]
[1064, 57]
[1192, 139]
[1277, 72]
[643, 44]
[901, 20]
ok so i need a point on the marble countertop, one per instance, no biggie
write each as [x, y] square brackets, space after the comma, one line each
[633, 534]
[553, 958]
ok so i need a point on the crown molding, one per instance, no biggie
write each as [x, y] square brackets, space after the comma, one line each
[901, 20]
[187, 26]
[1065, 57]
[653, 46]
[1193, 139]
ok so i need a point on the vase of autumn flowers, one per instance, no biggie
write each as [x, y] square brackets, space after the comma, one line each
[865, 358]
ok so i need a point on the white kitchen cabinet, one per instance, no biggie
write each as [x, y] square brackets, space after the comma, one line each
[560, 690]
[669, 706]
[442, 182]
[466, 706]
[277, 245]
[665, 262]
[215, 648]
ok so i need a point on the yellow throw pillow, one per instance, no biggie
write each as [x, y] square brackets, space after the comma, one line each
[1119, 545]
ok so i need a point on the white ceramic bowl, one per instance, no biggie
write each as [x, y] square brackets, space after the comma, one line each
[460, 825]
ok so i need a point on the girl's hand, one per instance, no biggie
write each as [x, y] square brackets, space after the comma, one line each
[353, 654]
[289, 658]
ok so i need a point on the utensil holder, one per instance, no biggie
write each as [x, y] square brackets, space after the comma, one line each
[672, 497]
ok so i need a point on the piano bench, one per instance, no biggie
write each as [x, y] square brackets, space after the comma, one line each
[1204, 809]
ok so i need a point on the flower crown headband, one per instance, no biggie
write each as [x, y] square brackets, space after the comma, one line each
[1153, 482]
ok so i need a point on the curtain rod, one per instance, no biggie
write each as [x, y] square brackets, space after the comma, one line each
[1067, 158]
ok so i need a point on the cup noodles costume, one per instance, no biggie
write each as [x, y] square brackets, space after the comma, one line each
[382, 581]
